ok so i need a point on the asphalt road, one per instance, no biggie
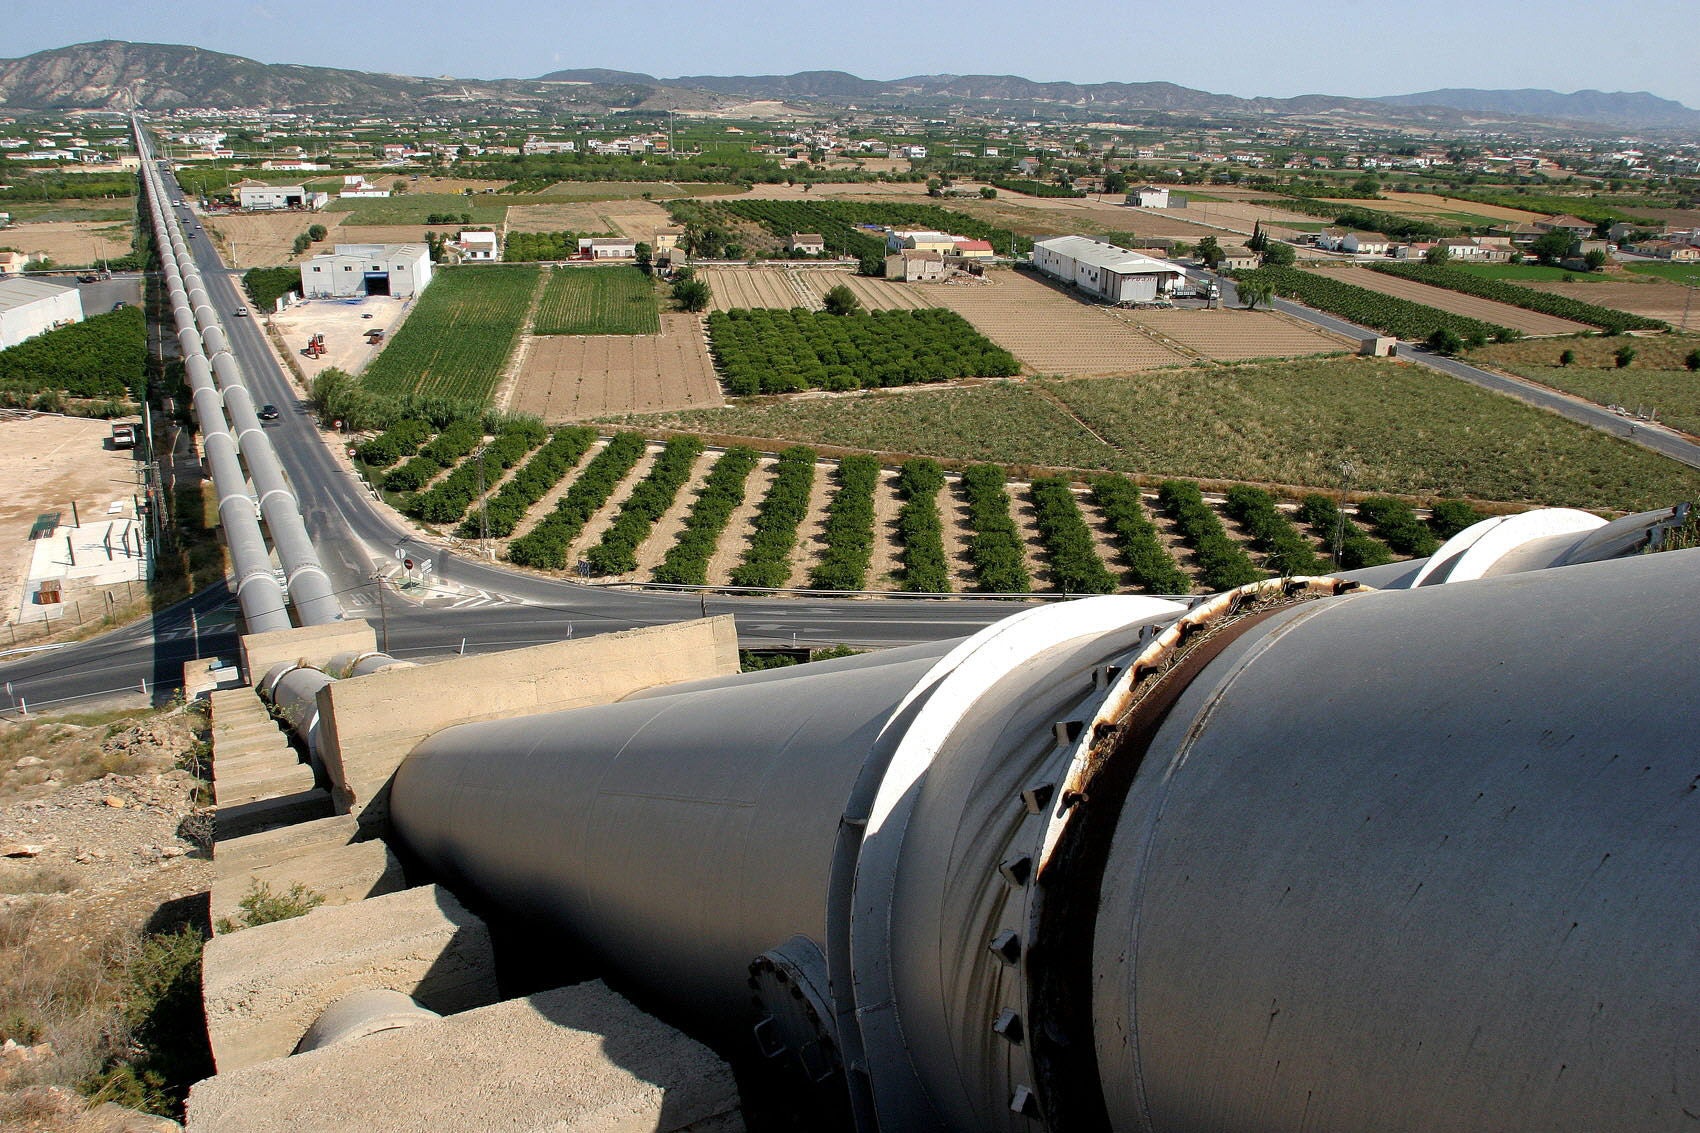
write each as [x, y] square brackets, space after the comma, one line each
[1658, 439]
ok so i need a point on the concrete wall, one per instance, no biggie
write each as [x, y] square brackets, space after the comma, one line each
[364, 737]
[313, 645]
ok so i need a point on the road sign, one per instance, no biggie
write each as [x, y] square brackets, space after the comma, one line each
[407, 564]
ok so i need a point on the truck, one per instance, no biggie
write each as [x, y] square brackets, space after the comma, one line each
[124, 434]
[315, 347]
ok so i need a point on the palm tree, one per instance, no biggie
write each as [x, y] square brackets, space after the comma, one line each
[1254, 292]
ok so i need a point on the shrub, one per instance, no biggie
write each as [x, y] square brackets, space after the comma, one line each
[1288, 551]
[1445, 341]
[1623, 356]
[1150, 566]
[1567, 358]
[450, 445]
[547, 544]
[1397, 525]
[1330, 523]
[1448, 517]
[995, 546]
[919, 529]
[617, 552]
[1068, 541]
[687, 562]
[448, 499]
[849, 529]
[1692, 360]
[399, 440]
[1222, 563]
[502, 513]
[262, 906]
[767, 562]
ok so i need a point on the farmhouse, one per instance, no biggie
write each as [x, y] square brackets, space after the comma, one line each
[1364, 243]
[1113, 274]
[11, 263]
[353, 270]
[607, 248]
[975, 249]
[1577, 227]
[356, 185]
[1673, 250]
[808, 243]
[919, 241]
[1148, 197]
[29, 307]
[478, 246]
[915, 267]
[666, 239]
[1236, 258]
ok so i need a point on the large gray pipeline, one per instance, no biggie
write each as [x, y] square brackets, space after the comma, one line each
[213, 368]
[1413, 860]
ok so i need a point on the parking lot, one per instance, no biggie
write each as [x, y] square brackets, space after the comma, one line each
[344, 323]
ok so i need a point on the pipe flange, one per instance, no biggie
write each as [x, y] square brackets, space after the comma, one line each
[787, 986]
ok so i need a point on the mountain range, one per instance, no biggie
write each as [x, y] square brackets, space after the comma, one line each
[116, 75]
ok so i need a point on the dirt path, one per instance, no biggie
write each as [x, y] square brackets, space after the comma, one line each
[666, 530]
[604, 517]
[883, 568]
[953, 520]
[735, 538]
[811, 542]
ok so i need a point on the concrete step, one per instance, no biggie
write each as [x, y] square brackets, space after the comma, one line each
[275, 759]
[572, 1060]
[263, 987]
[233, 789]
[257, 851]
[341, 874]
[243, 819]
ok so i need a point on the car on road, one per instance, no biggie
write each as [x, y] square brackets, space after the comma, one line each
[88, 279]
[269, 413]
[241, 312]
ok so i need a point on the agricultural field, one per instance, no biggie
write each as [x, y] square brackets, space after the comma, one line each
[1453, 213]
[1050, 331]
[1469, 306]
[1040, 217]
[628, 190]
[1654, 299]
[1529, 273]
[266, 239]
[874, 294]
[769, 351]
[418, 208]
[1657, 379]
[457, 341]
[1406, 430]
[637, 219]
[1230, 334]
[571, 378]
[598, 300]
[1500, 291]
[1686, 274]
[749, 288]
[1408, 203]
[70, 243]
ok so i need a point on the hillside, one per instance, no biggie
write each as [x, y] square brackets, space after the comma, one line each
[1617, 108]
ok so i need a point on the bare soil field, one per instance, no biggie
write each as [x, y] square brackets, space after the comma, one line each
[46, 463]
[895, 190]
[1500, 314]
[571, 377]
[1050, 332]
[70, 242]
[1241, 216]
[1228, 334]
[750, 288]
[875, 294]
[267, 239]
[382, 233]
[1049, 216]
[636, 219]
[1656, 299]
[1431, 202]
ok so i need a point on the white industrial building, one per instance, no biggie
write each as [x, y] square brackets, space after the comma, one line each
[1149, 197]
[1105, 271]
[352, 270]
[29, 307]
[257, 196]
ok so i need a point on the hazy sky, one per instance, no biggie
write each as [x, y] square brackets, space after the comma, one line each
[1242, 47]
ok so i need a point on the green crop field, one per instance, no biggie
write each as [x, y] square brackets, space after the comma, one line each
[1406, 431]
[1528, 272]
[1657, 379]
[598, 300]
[1386, 313]
[771, 351]
[1677, 273]
[459, 336]
[419, 208]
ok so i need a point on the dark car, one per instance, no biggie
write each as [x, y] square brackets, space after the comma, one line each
[88, 279]
[269, 413]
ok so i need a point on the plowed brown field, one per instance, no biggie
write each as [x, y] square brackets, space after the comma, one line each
[1053, 333]
[1229, 334]
[750, 288]
[572, 377]
[875, 294]
[1658, 300]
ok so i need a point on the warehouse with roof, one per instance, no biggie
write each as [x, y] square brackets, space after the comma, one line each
[353, 270]
[29, 307]
[1106, 271]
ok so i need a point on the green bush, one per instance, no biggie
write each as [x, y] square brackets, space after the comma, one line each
[1068, 542]
[616, 553]
[767, 561]
[1396, 524]
[849, 528]
[687, 561]
[448, 499]
[1288, 551]
[547, 544]
[994, 545]
[1448, 517]
[1150, 566]
[399, 440]
[919, 529]
[502, 513]
[1222, 563]
[1357, 549]
[450, 445]
[104, 356]
[266, 286]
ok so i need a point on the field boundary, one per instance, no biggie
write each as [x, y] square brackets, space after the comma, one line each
[509, 381]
